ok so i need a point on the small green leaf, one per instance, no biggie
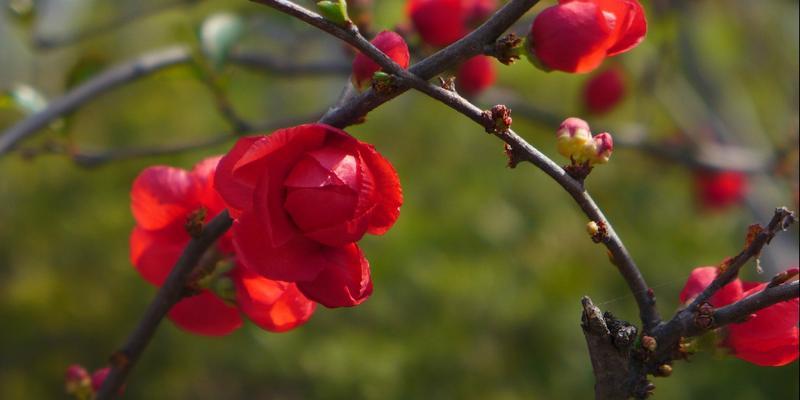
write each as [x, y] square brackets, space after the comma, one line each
[218, 34]
[334, 11]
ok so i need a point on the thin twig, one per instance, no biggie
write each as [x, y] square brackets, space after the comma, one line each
[129, 72]
[622, 259]
[741, 309]
[169, 294]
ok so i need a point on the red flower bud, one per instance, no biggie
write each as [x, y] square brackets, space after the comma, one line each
[475, 75]
[162, 199]
[604, 91]
[392, 45]
[717, 190]
[577, 35]
[302, 197]
[442, 22]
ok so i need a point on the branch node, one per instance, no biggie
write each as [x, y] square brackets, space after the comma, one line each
[598, 230]
[195, 222]
[448, 83]
[704, 316]
[497, 120]
[506, 49]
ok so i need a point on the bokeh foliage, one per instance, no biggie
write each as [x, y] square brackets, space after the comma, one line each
[477, 287]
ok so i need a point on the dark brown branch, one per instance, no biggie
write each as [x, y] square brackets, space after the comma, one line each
[169, 294]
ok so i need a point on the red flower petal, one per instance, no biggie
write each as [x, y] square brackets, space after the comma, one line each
[237, 194]
[345, 282]
[154, 253]
[700, 278]
[388, 42]
[205, 314]
[718, 190]
[203, 173]
[298, 259]
[633, 28]
[770, 338]
[571, 36]
[388, 193]
[161, 195]
[273, 305]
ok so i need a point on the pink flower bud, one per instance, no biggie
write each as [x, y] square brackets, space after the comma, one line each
[388, 42]
[573, 136]
[77, 380]
[603, 146]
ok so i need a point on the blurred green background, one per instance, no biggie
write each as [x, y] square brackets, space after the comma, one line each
[477, 286]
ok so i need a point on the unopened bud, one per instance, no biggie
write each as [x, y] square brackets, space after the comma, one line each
[649, 343]
[334, 11]
[664, 370]
[592, 228]
[98, 377]
[573, 135]
[77, 381]
[603, 146]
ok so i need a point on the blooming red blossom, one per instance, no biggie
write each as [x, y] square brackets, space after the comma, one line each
[302, 197]
[388, 42]
[165, 201]
[577, 35]
[475, 75]
[441, 22]
[718, 190]
[604, 91]
[768, 338]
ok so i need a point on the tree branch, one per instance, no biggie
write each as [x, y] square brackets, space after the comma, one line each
[130, 71]
[769, 296]
[170, 293]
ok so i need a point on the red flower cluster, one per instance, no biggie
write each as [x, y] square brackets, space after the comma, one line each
[301, 198]
[769, 337]
[604, 91]
[441, 22]
[577, 35]
[392, 45]
[165, 201]
[717, 190]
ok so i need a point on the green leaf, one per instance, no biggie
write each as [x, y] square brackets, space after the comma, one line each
[218, 34]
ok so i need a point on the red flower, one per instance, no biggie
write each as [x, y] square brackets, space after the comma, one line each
[577, 35]
[441, 22]
[163, 200]
[475, 75]
[388, 42]
[302, 197]
[769, 337]
[718, 190]
[604, 91]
